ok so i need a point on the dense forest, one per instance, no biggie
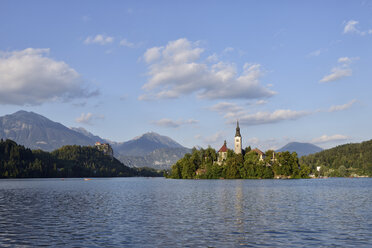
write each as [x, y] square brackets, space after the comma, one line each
[201, 164]
[342, 161]
[16, 161]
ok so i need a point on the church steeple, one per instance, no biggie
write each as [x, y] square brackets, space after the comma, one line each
[237, 134]
[238, 140]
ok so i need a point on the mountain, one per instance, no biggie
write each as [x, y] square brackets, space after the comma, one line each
[38, 132]
[150, 150]
[88, 134]
[302, 149]
[145, 144]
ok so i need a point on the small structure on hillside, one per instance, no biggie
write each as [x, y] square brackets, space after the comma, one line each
[105, 148]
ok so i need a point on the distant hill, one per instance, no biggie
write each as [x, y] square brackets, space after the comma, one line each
[151, 150]
[343, 160]
[302, 149]
[68, 161]
[38, 132]
[145, 144]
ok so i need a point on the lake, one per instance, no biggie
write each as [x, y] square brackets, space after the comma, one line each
[159, 212]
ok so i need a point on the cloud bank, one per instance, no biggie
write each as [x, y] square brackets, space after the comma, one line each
[176, 70]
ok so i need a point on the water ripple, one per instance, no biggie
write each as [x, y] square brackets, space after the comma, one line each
[138, 212]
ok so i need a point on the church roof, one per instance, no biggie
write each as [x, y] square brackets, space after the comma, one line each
[223, 148]
[237, 134]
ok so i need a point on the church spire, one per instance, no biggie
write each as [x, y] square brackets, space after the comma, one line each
[237, 134]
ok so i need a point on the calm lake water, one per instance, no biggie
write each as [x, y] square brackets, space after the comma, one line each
[158, 212]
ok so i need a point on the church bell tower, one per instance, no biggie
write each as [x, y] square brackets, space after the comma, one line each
[238, 140]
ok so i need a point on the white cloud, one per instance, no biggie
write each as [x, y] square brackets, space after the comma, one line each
[344, 60]
[212, 58]
[88, 118]
[325, 138]
[336, 73]
[261, 102]
[340, 71]
[126, 43]
[232, 112]
[351, 28]
[226, 107]
[174, 124]
[267, 117]
[99, 39]
[30, 77]
[152, 54]
[175, 70]
[85, 118]
[342, 107]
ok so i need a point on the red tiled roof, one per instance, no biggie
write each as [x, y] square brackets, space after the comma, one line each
[223, 148]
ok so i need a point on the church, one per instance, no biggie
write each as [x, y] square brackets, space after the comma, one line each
[222, 153]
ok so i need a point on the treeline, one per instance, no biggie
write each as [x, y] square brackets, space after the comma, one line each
[342, 161]
[16, 161]
[202, 164]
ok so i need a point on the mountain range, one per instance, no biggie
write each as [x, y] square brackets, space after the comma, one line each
[148, 150]
[38, 132]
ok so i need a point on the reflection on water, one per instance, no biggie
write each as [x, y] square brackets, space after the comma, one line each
[140, 212]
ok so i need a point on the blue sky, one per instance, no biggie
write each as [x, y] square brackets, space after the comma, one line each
[287, 70]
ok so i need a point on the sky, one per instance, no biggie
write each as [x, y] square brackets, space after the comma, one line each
[287, 70]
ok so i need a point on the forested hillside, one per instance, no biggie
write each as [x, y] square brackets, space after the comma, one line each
[345, 160]
[16, 161]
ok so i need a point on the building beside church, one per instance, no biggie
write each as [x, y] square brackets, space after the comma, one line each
[222, 154]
